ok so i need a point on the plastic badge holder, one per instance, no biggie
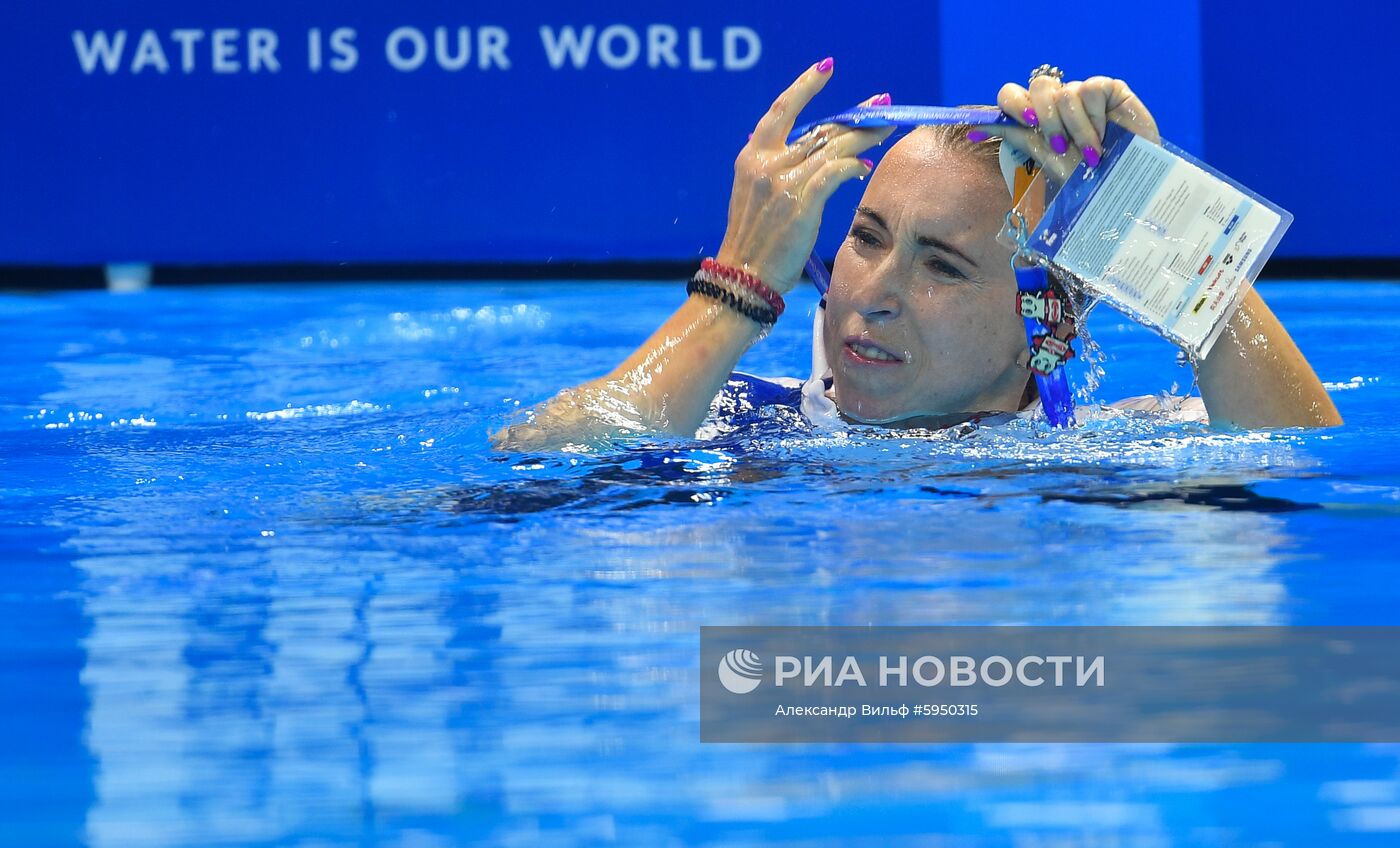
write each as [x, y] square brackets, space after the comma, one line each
[1164, 238]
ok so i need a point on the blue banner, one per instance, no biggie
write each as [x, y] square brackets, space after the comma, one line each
[432, 131]
[416, 131]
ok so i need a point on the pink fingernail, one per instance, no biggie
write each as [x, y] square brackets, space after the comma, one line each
[882, 100]
[868, 164]
[977, 135]
[826, 65]
[750, 136]
[1031, 117]
[1091, 156]
[1058, 144]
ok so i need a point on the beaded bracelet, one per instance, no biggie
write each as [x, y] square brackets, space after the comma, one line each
[740, 293]
[764, 316]
[734, 275]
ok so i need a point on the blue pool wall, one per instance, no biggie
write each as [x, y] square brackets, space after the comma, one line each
[530, 163]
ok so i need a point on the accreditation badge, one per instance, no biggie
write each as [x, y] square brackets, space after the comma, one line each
[1159, 235]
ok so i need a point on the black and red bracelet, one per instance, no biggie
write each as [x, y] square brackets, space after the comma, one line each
[765, 316]
[710, 267]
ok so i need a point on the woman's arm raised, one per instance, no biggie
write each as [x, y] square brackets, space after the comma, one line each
[667, 384]
[1255, 376]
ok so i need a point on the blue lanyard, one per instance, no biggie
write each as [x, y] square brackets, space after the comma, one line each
[1055, 396]
[905, 116]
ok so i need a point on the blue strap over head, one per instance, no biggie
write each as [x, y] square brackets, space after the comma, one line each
[892, 116]
[905, 116]
[1049, 347]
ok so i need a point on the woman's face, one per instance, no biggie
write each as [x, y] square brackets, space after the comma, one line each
[920, 317]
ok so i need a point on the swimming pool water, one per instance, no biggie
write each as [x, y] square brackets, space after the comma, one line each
[262, 583]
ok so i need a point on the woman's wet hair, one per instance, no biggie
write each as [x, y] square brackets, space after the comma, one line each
[952, 138]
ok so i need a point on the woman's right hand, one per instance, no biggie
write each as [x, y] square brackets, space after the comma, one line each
[780, 190]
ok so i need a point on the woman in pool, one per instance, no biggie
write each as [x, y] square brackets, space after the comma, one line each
[918, 329]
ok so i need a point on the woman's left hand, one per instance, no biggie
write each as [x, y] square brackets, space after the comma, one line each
[1061, 123]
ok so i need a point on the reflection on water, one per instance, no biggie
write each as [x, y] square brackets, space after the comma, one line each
[354, 625]
[1234, 497]
[531, 675]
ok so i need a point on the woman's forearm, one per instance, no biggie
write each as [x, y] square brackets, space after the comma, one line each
[1255, 376]
[665, 386]
[775, 209]
[677, 372]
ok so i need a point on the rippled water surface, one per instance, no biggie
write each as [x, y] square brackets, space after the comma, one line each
[262, 583]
